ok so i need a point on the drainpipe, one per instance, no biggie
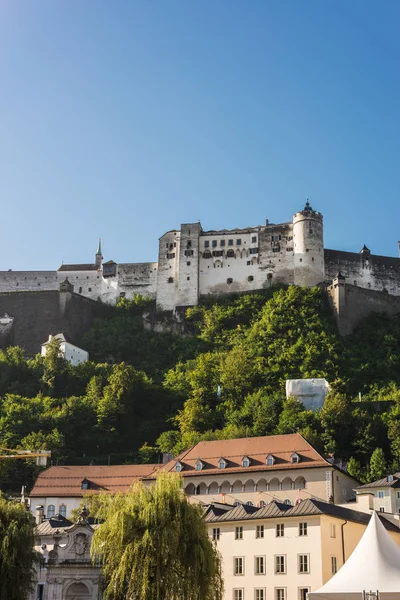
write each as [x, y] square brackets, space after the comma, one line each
[343, 552]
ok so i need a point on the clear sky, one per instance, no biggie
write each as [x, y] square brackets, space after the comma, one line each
[124, 118]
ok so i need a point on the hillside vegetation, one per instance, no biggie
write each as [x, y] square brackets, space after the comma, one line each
[146, 393]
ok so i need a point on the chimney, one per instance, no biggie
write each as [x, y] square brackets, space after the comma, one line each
[39, 515]
[365, 502]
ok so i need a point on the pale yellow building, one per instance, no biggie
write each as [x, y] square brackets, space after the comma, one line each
[259, 470]
[386, 493]
[281, 552]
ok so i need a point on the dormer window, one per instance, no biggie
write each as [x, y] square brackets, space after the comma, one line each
[85, 484]
[222, 463]
[295, 458]
[245, 461]
[178, 467]
[199, 465]
[390, 478]
[270, 460]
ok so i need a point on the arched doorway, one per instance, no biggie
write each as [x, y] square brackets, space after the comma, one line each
[78, 591]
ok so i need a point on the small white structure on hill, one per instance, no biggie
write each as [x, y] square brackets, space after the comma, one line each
[374, 566]
[71, 353]
[311, 392]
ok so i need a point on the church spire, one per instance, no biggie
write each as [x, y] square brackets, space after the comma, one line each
[99, 256]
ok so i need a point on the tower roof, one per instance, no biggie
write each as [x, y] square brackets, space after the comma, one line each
[98, 253]
[308, 206]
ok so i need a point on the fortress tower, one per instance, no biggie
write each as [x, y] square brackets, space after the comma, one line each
[308, 249]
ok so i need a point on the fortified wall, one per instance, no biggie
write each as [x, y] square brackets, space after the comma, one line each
[194, 263]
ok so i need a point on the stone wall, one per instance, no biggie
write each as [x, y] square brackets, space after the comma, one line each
[36, 315]
[351, 304]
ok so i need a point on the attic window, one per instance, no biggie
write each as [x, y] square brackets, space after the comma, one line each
[178, 467]
[270, 460]
[199, 465]
[245, 461]
[295, 458]
[222, 463]
[390, 478]
[85, 484]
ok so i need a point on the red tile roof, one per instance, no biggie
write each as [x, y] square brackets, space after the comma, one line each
[281, 447]
[67, 481]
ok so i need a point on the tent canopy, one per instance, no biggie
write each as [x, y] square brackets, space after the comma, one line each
[373, 566]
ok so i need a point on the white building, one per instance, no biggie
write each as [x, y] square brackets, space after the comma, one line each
[279, 552]
[69, 351]
[60, 490]
[386, 493]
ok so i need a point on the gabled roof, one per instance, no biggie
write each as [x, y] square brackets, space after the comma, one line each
[304, 508]
[67, 481]
[256, 449]
[379, 483]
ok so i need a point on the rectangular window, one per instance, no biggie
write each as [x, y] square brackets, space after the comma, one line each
[218, 252]
[303, 593]
[289, 249]
[275, 249]
[280, 530]
[381, 494]
[188, 252]
[254, 239]
[280, 564]
[260, 531]
[238, 594]
[398, 494]
[302, 529]
[188, 263]
[206, 244]
[381, 509]
[171, 255]
[238, 533]
[333, 530]
[222, 243]
[216, 534]
[230, 242]
[280, 593]
[253, 250]
[259, 594]
[238, 242]
[259, 565]
[214, 243]
[304, 563]
[334, 564]
[238, 565]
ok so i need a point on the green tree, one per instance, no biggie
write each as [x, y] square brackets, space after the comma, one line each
[17, 555]
[354, 469]
[377, 465]
[154, 545]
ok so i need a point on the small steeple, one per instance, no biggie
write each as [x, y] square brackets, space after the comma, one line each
[99, 256]
[307, 207]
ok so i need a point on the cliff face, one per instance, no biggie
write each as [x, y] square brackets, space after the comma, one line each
[27, 318]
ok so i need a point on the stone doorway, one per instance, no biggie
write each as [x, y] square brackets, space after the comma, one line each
[78, 591]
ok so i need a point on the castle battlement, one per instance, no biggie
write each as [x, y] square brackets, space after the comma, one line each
[193, 263]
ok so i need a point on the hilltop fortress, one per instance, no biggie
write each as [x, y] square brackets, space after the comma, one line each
[193, 263]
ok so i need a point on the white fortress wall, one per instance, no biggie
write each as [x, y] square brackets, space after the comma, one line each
[28, 281]
[132, 279]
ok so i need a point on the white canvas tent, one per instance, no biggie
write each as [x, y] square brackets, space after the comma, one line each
[373, 566]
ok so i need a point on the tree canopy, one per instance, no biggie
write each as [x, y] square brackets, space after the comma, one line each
[154, 545]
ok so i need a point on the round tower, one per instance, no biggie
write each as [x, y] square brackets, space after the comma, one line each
[308, 247]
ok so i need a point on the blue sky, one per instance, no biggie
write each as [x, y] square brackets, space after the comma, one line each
[124, 119]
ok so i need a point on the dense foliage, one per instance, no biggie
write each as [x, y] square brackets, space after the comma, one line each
[154, 545]
[146, 392]
[17, 556]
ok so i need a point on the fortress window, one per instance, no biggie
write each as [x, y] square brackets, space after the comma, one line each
[312, 258]
[206, 244]
[301, 260]
[311, 231]
[218, 252]
[250, 278]
[188, 278]
[289, 238]
[188, 252]
[207, 254]
[122, 294]
[171, 255]
[253, 250]
[189, 244]
[289, 249]
[238, 242]
[214, 243]
[170, 280]
[254, 239]
[171, 246]
[230, 254]
[269, 276]
[222, 243]
[276, 238]
[188, 263]
[80, 290]
[230, 242]
[89, 289]
[229, 280]
[307, 250]
[275, 249]
[248, 262]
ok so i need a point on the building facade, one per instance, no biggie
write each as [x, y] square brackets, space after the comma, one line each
[73, 354]
[259, 470]
[280, 552]
[193, 263]
[385, 492]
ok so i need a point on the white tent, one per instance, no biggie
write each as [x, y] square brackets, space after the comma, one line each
[373, 566]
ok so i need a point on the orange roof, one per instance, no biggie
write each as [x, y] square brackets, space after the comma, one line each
[281, 447]
[67, 481]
